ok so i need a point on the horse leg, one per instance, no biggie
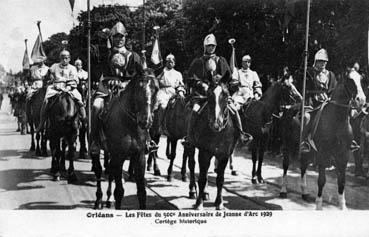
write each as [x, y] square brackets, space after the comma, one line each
[260, 164]
[116, 170]
[72, 177]
[149, 161]
[38, 150]
[106, 162]
[97, 169]
[190, 152]
[304, 163]
[183, 168]
[108, 191]
[222, 163]
[171, 157]
[341, 165]
[155, 157]
[204, 163]
[140, 180]
[233, 172]
[43, 143]
[32, 138]
[286, 163]
[254, 159]
[62, 156]
[56, 161]
[82, 142]
[321, 183]
[131, 170]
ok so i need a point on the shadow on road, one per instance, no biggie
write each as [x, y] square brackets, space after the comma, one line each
[14, 179]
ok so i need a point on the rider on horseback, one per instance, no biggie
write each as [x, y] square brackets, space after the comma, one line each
[63, 76]
[248, 82]
[124, 65]
[38, 76]
[204, 72]
[82, 75]
[170, 83]
[320, 83]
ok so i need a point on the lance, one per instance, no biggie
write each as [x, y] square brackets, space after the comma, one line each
[89, 72]
[305, 69]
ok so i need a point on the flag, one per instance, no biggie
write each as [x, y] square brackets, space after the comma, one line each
[38, 51]
[155, 55]
[232, 61]
[25, 63]
[71, 2]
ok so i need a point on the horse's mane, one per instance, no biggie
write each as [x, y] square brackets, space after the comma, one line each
[63, 107]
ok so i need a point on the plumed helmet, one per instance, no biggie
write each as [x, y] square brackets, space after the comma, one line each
[64, 53]
[78, 62]
[246, 58]
[170, 57]
[210, 40]
[321, 55]
[118, 29]
[118, 60]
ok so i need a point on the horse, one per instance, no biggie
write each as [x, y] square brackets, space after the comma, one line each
[175, 125]
[126, 127]
[214, 134]
[63, 124]
[333, 136]
[256, 116]
[33, 107]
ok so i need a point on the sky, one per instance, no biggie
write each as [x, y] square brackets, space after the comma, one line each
[18, 22]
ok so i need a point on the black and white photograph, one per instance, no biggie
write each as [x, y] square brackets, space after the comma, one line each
[185, 117]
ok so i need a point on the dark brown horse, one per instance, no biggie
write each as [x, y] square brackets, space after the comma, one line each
[126, 127]
[82, 88]
[333, 136]
[63, 124]
[176, 121]
[257, 114]
[214, 135]
[33, 117]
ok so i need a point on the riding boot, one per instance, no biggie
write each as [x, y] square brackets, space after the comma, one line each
[244, 136]
[82, 113]
[42, 116]
[354, 146]
[188, 140]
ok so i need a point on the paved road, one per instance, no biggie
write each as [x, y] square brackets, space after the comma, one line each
[25, 182]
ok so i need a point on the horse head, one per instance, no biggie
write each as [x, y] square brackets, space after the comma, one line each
[144, 96]
[289, 93]
[64, 108]
[218, 107]
[354, 91]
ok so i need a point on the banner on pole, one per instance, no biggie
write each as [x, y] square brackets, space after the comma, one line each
[37, 50]
[155, 55]
[71, 2]
[26, 63]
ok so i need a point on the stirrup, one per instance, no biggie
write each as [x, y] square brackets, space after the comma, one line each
[354, 146]
[245, 137]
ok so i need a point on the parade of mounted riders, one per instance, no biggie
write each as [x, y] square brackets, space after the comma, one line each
[258, 99]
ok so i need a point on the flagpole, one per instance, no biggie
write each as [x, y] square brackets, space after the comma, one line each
[143, 25]
[305, 70]
[89, 71]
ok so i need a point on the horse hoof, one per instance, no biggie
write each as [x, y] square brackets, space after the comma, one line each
[234, 173]
[261, 180]
[206, 197]
[219, 207]
[283, 195]
[199, 206]
[38, 152]
[157, 173]
[148, 168]
[305, 197]
[108, 204]
[184, 178]
[253, 181]
[192, 195]
[72, 178]
[169, 178]
[56, 177]
[98, 205]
